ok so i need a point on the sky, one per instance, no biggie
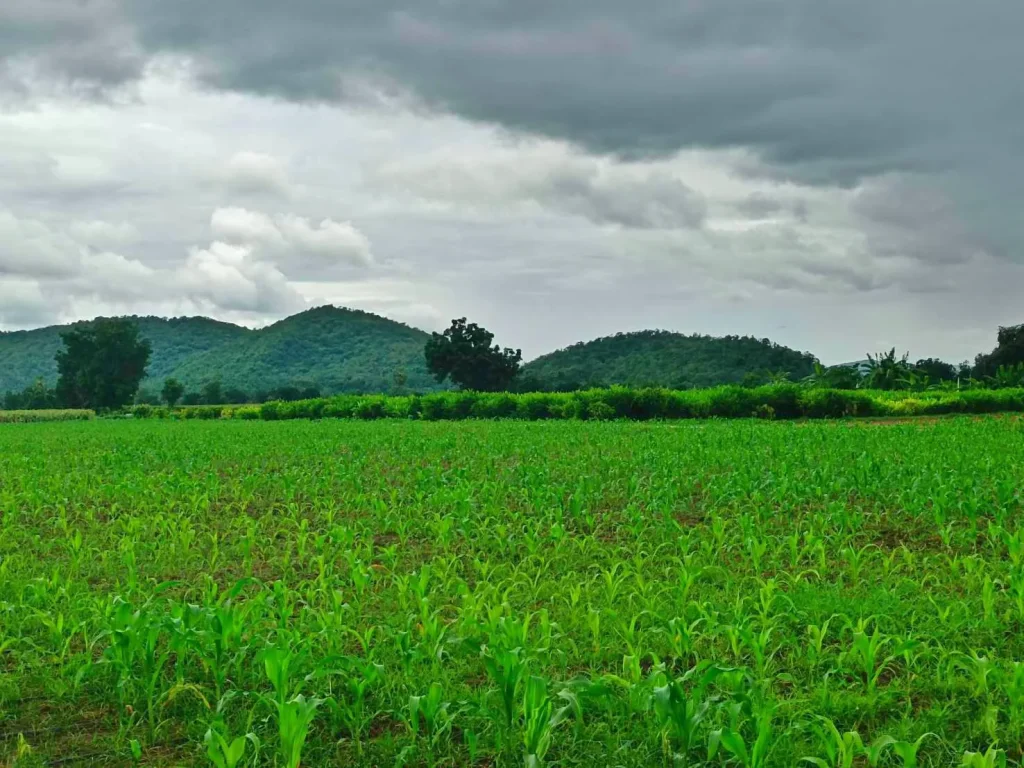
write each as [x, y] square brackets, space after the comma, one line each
[840, 177]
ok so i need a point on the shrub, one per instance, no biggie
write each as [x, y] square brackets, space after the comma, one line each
[370, 408]
[600, 411]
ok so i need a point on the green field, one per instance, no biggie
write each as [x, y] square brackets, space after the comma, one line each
[511, 593]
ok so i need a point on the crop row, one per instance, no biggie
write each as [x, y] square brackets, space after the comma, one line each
[780, 401]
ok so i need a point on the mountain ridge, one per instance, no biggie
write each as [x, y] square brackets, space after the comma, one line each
[338, 349]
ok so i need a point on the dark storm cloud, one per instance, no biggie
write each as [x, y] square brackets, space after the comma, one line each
[826, 89]
[833, 90]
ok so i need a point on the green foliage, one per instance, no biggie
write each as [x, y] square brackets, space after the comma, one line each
[172, 391]
[662, 358]
[29, 355]
[780, 401]
[834, 377]
[1009, 351]
[463, 354]
[36, 396]
[886, 371]
[101, 364]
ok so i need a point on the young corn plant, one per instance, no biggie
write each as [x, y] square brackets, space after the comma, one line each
[681, 706]
[541, 719]
[428, 718]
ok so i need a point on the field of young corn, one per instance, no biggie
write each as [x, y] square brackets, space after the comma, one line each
[316, 593]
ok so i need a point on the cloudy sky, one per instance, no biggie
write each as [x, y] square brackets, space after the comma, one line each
[837, 176]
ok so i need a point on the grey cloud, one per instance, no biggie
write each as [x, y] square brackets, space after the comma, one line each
[78, 47]
[631, 195]
[907, 218]
[22, 303]
[832, 90]
[255, 173]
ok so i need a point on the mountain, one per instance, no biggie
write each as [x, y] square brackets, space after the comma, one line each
[663, 358]
[347, 350]
[339, 350]
[29, 355]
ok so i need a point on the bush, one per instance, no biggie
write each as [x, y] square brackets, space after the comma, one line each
[835, 404]
[600, 411]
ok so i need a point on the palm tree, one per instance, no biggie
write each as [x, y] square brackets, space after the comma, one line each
[885, 371]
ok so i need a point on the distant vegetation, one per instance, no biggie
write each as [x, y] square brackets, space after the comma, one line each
[770, 402]
[662, 358]
[326, 351]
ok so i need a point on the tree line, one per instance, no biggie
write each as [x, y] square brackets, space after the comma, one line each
[103, 363]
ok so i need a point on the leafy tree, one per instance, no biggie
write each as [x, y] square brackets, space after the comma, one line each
[172, 391]
[146, 397]
[101, 364]
[463, 353]
[935, 369]
[1007, 376]
[34, 397]
[213, 392]
[1009, 351]
[885, 371]
[192, 398]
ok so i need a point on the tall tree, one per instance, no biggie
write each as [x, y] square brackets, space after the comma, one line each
[172, 391]
[213, 392]
[101, 364]
[463, 353]
[1009, 351]
[938, 370]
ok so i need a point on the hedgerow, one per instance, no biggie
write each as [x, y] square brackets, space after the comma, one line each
[779, 401]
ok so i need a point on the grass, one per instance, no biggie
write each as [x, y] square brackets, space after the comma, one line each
[736, 593]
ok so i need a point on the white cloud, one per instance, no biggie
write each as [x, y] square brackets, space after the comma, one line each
[227, 276]
[31, 248]
[330, 240]
[22, 303]
[103, 234]
[287, 235]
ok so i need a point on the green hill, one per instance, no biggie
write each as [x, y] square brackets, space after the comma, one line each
[346, 350]
[29, 355]
[339, 350]
[663, 358]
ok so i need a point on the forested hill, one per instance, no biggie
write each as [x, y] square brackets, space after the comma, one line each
[345, 350]
[337, 350]
[663, 358]
[29, 355]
